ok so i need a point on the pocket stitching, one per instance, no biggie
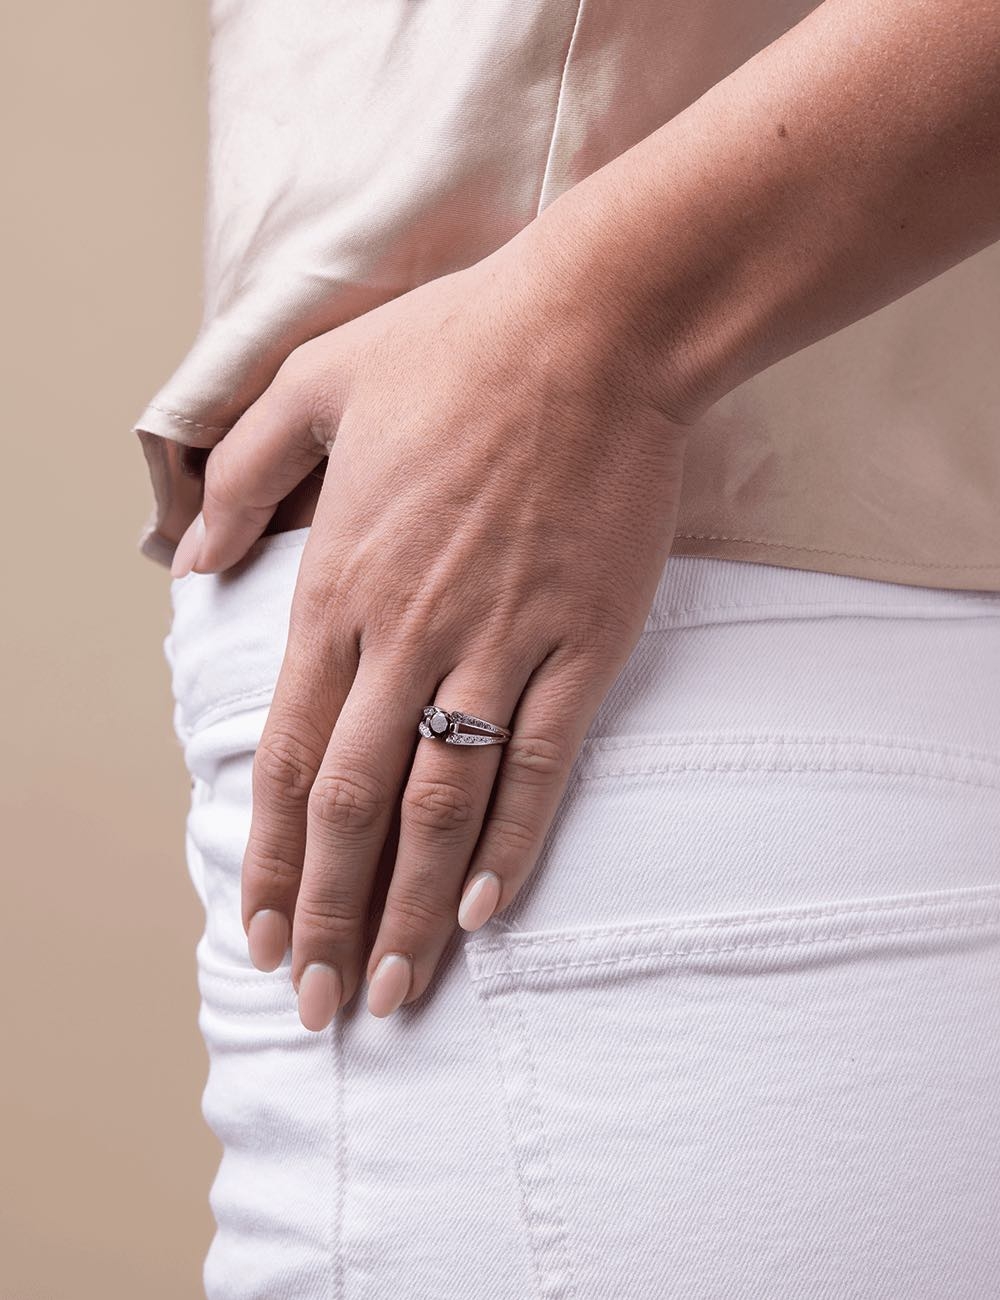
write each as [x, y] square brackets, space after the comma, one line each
[246, 981]
[663, 768]
[270, 1012]
[610, 743]
[557, 1280]
[645, 754]
[944, 898]
[680, 953]
[231, 706]
[506, 998]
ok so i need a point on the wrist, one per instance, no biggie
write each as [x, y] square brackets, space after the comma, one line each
[678, 290]
[819, 181]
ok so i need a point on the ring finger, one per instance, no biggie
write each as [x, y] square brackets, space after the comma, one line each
[441, 814]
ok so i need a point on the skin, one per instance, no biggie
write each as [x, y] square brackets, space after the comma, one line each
[506, 450]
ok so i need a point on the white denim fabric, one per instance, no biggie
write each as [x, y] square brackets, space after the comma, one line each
[739, 1036]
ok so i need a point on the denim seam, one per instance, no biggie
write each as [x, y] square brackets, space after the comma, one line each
[752, 946]
[338, 1278]
[877, 608]
[501, 1046]
[790, 613]
[601, 744]
[221, 709]
[247, 981]
[850, 555]
[610, 933]
[568, 1288]
[771, 916]
[257, 1012]
[773, 769]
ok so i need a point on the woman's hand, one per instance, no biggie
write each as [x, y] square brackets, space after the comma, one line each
[505, 458]
[497, 509]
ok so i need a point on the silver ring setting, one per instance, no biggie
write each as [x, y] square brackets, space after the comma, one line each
[457, 728]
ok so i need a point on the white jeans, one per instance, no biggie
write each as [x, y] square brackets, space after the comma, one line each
[739, 1036]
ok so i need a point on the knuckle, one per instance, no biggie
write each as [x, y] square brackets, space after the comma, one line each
[345, 802]
[511, 839]
[437, 805]
[299, 379]
[535, 758]
[414, 913]
[222, 489]
[295, 367]
[316, 604]
[283, 765]
[589, 637]
[274, 868]
[330, 919]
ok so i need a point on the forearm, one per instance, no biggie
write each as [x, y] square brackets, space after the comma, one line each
[851, 160]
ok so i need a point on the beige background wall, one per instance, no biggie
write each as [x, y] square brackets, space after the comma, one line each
[106, 1162]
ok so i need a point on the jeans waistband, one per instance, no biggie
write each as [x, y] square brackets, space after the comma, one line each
[228, 631]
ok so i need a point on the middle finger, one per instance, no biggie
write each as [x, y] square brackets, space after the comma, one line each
[350, 808]
[441, 815]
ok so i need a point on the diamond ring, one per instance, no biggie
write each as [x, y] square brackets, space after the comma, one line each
[457, 728]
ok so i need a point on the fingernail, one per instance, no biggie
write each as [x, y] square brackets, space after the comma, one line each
[480, 899]
[267, 938]
[186, 554]
[390, 984]
[319, 995]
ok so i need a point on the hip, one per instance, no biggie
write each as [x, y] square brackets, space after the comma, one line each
[741, 1018]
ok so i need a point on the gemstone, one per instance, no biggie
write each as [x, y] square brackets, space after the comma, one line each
[439, 723]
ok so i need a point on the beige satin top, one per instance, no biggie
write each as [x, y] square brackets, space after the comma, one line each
[357, 150]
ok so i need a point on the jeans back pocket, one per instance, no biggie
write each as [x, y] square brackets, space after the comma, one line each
[785, 1102]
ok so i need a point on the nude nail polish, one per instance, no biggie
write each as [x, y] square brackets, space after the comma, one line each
[389, 984]
[319, 995]
[267, 938]
[186, 554]
[480, 899]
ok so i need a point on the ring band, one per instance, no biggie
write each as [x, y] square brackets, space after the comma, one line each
[457, 728]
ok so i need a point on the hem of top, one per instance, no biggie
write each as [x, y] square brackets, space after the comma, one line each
[163, 422]
[157, 421]
[161, 550]
[160, 421]
[938, 576]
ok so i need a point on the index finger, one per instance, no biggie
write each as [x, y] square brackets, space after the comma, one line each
[314, 681]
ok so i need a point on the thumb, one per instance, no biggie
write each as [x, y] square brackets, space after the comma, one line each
[270, 449]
